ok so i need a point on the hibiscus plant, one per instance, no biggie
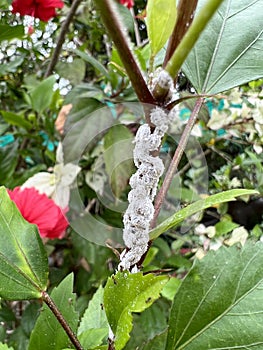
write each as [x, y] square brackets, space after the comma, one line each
[90, 276]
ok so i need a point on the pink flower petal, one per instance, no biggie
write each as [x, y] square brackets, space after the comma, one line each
[38, 209]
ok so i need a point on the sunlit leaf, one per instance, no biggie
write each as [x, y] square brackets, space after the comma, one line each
[161, 18]
[5, 347]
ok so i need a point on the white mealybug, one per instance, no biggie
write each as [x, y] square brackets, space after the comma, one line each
[144, 182]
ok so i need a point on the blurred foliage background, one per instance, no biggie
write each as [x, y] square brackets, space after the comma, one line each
[89, 76]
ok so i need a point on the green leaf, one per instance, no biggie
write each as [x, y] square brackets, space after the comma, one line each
[219, 303]
[225, 226]
[126, 17]
[93, 327]
[5, 347]
[41, 96]
[8, 32]
[48, 333]
[149, 324]
[157, 343]
[195, 207]
[23, 260]
[15, 119]
[8, 161]
[118, 157]
[161, 18]
[126, 293]
[170, 288]
[12, 66]
[229, 51]
[92, 338]
[73, 71]
[84, 132]
[91, 60]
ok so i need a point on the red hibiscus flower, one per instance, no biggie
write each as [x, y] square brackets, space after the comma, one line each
[127, 3]
[38, 209]
[42, 9]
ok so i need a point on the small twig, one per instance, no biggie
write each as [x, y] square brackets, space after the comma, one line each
[53, 307]
[176, 159]
[136, 29]
[61, 38]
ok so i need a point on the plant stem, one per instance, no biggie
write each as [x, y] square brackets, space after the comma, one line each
[191, 36]
[112, 22]
[61, 38]
[176, 159]
[185, 16]
[53, 307]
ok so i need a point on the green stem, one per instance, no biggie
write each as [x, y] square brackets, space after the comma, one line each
[110, 17]
[53, 307]
[175, 161]
[191, 36]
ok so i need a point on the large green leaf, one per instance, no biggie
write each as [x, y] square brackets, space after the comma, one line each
[41, 96]
[8, 32]
[48, 333]
[161, 18]
[23, 261]
[219, 304]
[229, 51]
[195, 207]
[118, 157]
[126, 293]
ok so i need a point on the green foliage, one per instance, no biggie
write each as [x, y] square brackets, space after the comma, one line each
[48, 332]
[217, 303]
[215, 299]
[93, 328]
[15, 119]
[23, 261]
[126, 293]
[224, 50]
[148, 325]
[5, 347]
[41, 96]
[118, 157]
[8, 33]
[8, 161]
